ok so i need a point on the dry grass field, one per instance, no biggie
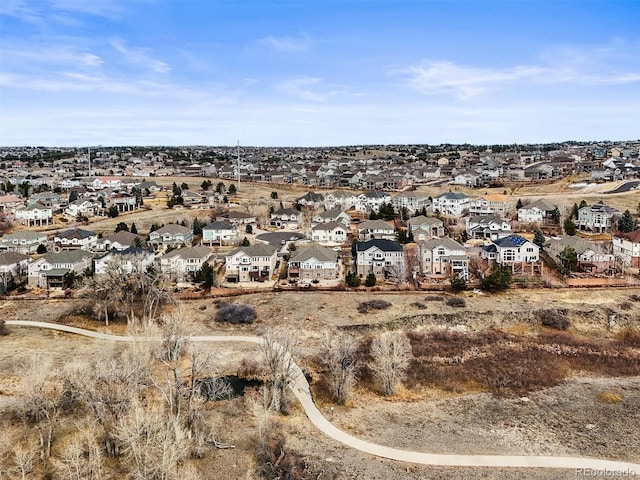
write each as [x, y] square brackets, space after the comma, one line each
[586, 405]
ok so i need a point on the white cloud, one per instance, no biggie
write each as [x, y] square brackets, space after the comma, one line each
[140, 57]
[309, 88]
[63, 55]
[286, 44]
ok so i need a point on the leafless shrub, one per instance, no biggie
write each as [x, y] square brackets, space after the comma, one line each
[390, 358]
[235, 313]
[635, 297]
[433, 298]
[554, 319]
[375, 304]
[340, 358]
[457, 302]
[626, 306]
[249, 369]
[3, 328]
[419, 305]
[629, 337]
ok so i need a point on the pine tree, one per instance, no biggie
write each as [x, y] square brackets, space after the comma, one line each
[626, 223]
[569, 227]
[133, 228]
[539, 239]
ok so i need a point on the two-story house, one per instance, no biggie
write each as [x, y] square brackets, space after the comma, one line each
[52, 269]
[591, 258]
[490, 204]
[535, 212]
[129, 260]
[311, 199]
[443, 257]
[597, 218]
[384, 258]
[335, 215]
[121, 240]
[75, 238]
[451, 204]
[26, 242]
[219, 233]
[514, 251]
[340, 199]
[626, 247]
[331, 233]
[371, 229]
[288, 218]
[412, 201]
[313, 263]
[172, 235]
[371, 200]
[489, 227]
[182, 264]
[34, 215]
[10, 203]
[424, 228]
[252, 263]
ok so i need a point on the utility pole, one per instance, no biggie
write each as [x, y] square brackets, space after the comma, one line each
[89, 155]
[238, 163]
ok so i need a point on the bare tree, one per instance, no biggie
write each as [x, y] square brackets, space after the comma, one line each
[42, 399]
[391, 355]
[153, 444]
[24, 460]
[281, 369]
[340, 358]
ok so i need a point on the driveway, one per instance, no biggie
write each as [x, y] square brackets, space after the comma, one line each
[275, 239]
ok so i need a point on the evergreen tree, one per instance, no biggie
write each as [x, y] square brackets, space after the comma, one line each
[184, 186]
[274, 195]
[569, 227]
[121, 227]
[245, 242]
[352, 280]
[113, 212]
[232, 189]
[626, 223]
[371, 280]
[42, 249]
[519, 204]
[133, 228]
[555, 216]
[458, 284]
[499, 279]
[568, 261]
[539, 239]
[197, 227]
[574, 211]
[205, 276]
[73, 196]
[583, 203]
[220, 188]
[248, 229]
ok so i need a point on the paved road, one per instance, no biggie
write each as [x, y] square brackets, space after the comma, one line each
[625, 187]
[300, 389]
[275, 238]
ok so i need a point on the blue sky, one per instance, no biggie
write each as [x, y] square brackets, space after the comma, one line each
[317, 72]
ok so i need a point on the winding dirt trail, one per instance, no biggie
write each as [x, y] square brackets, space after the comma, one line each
[300, 388]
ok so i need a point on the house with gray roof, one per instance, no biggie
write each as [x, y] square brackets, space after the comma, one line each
[424, 228]
[172, 235]
[182, 264]
[597, 218]
[384, 258]
[330, 232]
[591, 257]
[314, 263]
[371, 229]
[26, 242]
[451, 204]
[489, 227]
[251, 263]
[75, 238]
[52, 269]
[219, 233]
[443, 257]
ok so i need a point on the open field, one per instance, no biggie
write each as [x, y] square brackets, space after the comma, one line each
[587, 414]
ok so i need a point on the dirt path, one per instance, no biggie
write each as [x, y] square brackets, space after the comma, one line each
[300, 389]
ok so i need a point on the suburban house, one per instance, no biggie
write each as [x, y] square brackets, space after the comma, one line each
[52, 269]
[219, 233]
[182, 264]
[124, 202]
[535, 212]
[591, 258]
[424, 228]
[12, 265]
[371, 229]
[48, 199]
[331, 232]
[9, 204]
[490, 204]
[34, 215]
[86, 207]
[443, 257]
[384, 258]
[121, 240]
[129, 260]
[411, 201]
[172, 235]
[451, 204]
[597, 218]
[626, 247]
[335, 215]
[371, 200]
[514, 251]
[340, 199]
[288, 218]
[237, 218]
[75, 238]
[100, 183]
[489, 227]
[314, 263]
[311, 199]
[26, 242]
[252, 263]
